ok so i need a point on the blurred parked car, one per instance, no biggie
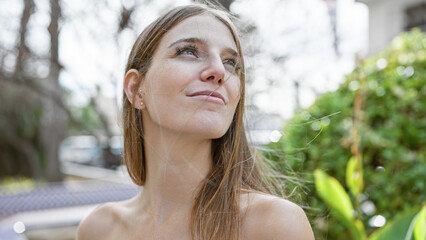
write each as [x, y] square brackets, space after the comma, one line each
[81, 149]
[116, 144]
[88, 150]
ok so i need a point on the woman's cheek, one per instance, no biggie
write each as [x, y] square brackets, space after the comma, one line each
[234, 92]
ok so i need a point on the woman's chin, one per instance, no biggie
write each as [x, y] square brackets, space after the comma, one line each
[208, 133]
[209, 129]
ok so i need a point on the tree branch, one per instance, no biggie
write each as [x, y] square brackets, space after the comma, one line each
[30, 84]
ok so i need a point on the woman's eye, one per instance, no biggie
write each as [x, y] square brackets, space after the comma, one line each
[232, 64]
[187, 50]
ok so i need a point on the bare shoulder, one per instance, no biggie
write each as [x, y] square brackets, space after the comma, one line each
[97, 225]
[270, 217]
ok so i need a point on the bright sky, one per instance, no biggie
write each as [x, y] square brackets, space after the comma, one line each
[298, 29]
[301, 29]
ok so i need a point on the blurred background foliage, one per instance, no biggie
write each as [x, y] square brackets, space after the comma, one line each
[382, 103]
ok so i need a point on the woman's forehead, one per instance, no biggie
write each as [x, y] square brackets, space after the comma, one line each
[206, 28]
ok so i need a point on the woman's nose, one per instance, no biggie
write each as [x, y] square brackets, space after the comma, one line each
[214, 70]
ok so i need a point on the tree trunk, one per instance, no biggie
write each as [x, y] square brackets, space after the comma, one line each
[22, 46]
[28, 151]
[332, 13]
[226, 3]
[53, 119]
[297, 95]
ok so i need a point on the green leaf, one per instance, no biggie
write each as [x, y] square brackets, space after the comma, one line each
[354, 175]
[333, 194]
[359, 231]
[420, 225]
[397, 229]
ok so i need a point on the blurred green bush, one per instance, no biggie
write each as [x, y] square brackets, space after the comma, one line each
[387, 93]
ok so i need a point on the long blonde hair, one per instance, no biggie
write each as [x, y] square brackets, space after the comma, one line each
[216, 212]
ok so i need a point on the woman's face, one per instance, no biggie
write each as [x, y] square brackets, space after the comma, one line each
[192, 86]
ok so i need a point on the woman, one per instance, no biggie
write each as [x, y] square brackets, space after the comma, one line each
[185, 143]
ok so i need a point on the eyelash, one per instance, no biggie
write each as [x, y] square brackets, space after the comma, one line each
[193, 49]
[232, 62]
[188, 49]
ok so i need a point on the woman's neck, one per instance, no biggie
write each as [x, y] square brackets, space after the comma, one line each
[175, 166]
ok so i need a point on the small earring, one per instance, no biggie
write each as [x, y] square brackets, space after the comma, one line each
[140, 95]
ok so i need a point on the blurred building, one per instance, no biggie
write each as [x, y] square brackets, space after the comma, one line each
[388, 18]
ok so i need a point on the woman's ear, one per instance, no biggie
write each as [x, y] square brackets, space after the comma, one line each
[132, 88]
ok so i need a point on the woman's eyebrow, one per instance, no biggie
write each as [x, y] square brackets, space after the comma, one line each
[232, 52]
[203, 42]
[190, 40]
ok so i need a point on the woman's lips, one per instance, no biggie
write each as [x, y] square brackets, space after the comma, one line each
[211, 96]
